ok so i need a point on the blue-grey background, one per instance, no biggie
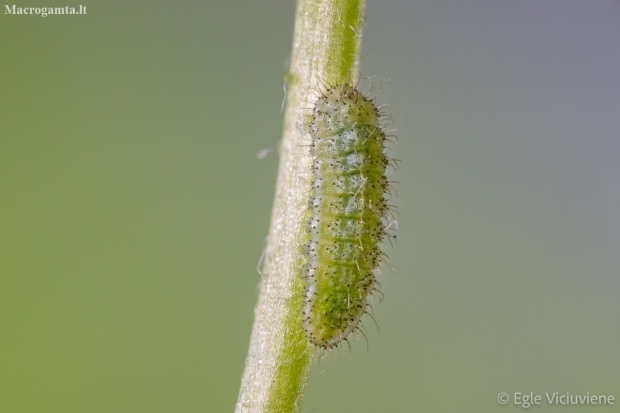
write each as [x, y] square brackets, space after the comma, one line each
[133, 211]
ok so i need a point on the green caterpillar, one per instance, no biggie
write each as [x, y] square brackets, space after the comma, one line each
[348, 213]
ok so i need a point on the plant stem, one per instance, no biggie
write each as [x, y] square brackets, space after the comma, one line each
[326, 48]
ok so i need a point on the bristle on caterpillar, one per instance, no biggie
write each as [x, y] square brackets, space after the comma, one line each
[348, 213]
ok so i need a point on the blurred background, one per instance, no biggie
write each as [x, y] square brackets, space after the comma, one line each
[133, 210]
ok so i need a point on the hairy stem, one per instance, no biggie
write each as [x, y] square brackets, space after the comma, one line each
[326, 48]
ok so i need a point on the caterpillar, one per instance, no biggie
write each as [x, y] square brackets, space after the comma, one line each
[348, 213]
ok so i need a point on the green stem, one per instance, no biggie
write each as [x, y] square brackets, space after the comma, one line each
[326, 48]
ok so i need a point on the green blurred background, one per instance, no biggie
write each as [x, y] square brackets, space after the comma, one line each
[133, 210]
